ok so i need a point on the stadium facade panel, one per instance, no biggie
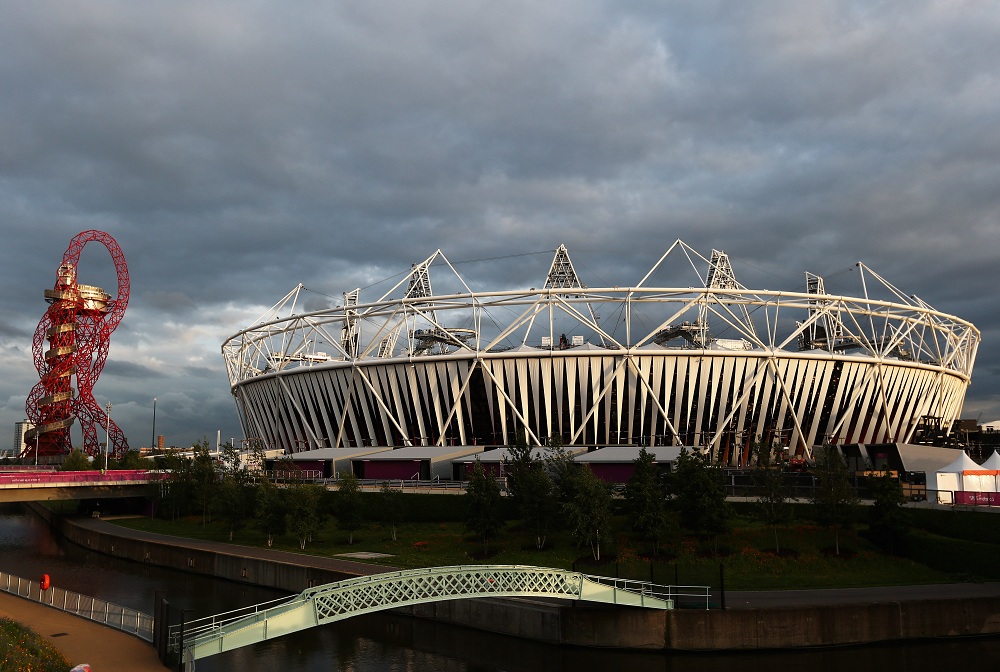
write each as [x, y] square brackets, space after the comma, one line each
[717, 366]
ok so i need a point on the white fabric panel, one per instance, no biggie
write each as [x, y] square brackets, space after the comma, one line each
[702, 395]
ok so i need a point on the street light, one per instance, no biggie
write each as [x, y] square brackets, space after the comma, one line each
[152, 441]
[107, 434]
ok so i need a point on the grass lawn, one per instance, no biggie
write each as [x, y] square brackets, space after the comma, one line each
[806, 559]
[21, 648]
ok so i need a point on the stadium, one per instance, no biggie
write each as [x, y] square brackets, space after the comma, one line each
[685, 356]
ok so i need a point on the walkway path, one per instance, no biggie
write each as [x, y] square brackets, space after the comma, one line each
[819, 597]
[303, 559]
[82, 640]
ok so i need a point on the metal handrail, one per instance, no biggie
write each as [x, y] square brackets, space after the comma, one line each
[199, 626]
[107, 613]
[663, 592]
[69, 477]
[402, 484]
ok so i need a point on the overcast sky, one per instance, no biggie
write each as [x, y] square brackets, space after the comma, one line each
[235, 149]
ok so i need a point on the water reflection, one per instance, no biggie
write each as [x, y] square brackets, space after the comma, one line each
[380, 642]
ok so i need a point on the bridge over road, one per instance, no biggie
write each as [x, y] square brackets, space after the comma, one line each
[361, 595]
[37, 486]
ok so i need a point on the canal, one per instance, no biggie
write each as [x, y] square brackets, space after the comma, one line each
[395, 643]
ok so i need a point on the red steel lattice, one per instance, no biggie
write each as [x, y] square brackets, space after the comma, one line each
[77, 328]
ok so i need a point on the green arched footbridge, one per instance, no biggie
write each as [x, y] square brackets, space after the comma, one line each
[362, 595]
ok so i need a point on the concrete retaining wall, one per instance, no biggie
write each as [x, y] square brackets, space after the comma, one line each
[831, 625]
[287, 576]
[597, 626]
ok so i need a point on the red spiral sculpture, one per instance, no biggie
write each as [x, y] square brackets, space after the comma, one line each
[77, 328]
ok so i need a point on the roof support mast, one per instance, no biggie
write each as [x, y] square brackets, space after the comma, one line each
[349, 336]
[562, 275]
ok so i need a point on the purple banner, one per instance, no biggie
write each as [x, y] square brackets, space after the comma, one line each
[978, 498]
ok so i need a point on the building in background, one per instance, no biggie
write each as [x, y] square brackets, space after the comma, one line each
[21, 428]
[685, 356]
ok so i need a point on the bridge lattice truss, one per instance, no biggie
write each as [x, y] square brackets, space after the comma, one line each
[352, 597]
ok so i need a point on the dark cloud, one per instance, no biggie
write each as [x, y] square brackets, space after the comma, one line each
[123, 369]
[235, 150]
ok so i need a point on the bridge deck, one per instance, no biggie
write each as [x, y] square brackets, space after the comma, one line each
[42, 485]
[351, 597]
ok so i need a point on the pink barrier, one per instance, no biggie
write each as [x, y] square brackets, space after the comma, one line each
[73, 477]
[978, 498]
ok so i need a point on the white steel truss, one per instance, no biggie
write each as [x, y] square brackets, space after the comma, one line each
[716, 365]
[362, 595]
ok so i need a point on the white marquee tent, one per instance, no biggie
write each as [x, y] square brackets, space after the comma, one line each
[992, 462]
[965, 476]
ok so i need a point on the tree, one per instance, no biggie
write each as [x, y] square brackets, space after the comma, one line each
[390, 508]
[349, 507]
[833, 499]
[538, 505]
[233, 491]
[517, 461]
[76, 461]
[132, 460]
[232, 498]
[285, 469]
[203, 479]
[887, 520]
[269, 516]
[175, 491]
[256, 457]
[561, 469]
[482, 499]
[700, 493]
[588, 511]
[230, 460]
[531, 489]
[302, 513]
[773, 507]
[646, 501]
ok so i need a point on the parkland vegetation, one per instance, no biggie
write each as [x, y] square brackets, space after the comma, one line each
[546, 510]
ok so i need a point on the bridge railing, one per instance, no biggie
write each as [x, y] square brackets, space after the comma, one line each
[687, 596]
[189, 630]
[75, 477]
[107, 613]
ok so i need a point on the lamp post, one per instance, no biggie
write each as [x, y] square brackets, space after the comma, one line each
[107, 435]
[152, 441]
[36, 446]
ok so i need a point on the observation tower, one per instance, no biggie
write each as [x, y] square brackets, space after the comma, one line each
[72, 340]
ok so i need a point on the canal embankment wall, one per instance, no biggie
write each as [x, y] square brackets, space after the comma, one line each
[579, 624]
[292, 575]
[729, 629]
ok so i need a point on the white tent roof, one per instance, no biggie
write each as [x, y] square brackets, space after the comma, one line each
[962, 463]
[993, 462]
[927, 459]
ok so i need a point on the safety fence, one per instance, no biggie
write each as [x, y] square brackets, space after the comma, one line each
[107, 613]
